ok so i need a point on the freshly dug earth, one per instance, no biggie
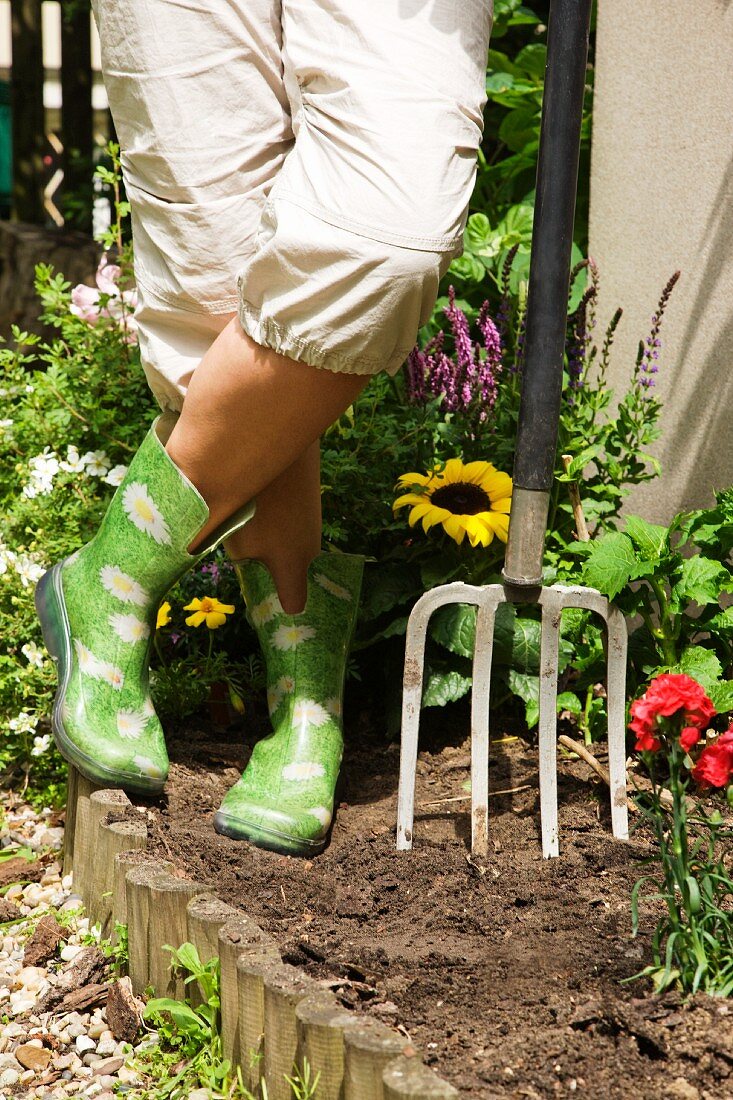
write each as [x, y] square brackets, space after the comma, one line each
[505, 973]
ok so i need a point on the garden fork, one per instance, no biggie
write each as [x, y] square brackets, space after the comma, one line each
[552, 234]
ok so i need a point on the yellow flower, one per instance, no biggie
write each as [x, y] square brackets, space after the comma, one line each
[208, 610]
[467, 499]
[164, 615]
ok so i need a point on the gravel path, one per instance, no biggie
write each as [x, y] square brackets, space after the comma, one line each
[50, 1054]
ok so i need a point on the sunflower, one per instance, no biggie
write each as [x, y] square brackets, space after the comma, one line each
[471, 498]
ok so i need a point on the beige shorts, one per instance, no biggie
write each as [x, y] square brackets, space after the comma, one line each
[305, 163]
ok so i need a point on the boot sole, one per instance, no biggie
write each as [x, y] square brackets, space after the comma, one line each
[51, 610]
[237, 829]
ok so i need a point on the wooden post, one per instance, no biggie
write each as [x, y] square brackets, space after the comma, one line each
[368, 1049]
[406, 1078]
[29, 123]
[321, 1025]
[252, 966]
[78, 787]
[237, 934]
[92, 875]
[138, 882]
[112, 839]
[204, 917]
[124, 862]
[285, 987]
[169, 897]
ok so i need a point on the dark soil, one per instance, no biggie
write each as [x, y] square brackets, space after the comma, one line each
[506, 976]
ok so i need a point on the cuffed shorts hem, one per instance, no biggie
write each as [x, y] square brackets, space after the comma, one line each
[268, 333]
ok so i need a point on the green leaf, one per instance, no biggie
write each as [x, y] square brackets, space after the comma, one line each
[721, 695]
[701, 664]
[444, 687]
[702, 580]
[454, 627]
[387, 587]
[722, 622]
[579, 463]
[528, 689]
[610, 564]
[649, 538]
[568, 700]
[184, 1017]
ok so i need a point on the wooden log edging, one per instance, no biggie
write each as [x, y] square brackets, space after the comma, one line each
[277, 1022]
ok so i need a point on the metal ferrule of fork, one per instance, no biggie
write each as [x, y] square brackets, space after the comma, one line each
[552, 599]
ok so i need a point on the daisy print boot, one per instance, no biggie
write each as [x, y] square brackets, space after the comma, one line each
[284, 800]
[98, 610]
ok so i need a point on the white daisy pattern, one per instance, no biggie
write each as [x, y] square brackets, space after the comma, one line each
[148, 709]
[147, 766]
[276, 692]
[130, 724]
[142, 510]
[265, 611]
[88, 663]
[307, 712]
[290, 635]
[333, 706]
[128, 627]
[123, 586]
[322, 814]
[300, 773]
[114, 676]
[331, 586]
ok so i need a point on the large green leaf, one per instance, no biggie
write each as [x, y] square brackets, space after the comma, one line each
[528, 690]
[610, 564]
[650, 539]
[702, 580]
[701, 664]
[386, 587]
[723, 622]
[444, 687]
[722, 696]
[454, 627]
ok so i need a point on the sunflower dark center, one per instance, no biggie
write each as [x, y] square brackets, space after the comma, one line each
[461, 498]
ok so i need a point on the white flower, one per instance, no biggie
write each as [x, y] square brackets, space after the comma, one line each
[130, 724]
[73, 464]
[265, 611]
[116, 475]
[40, 745]
[142, 510]
[290, 635]
[333, 706]
[38, 486]
[44, 465]
[88, 663]
[123, 586]
[322, 814]
[147, 708]
[307, 712]
[96, 463]
[6, 423]
[308, 769]
[147, 766]
[33, 653]
[114, 676]
[331, 586]
[7, 558]
[277, 691]
[129, 627]
[29, 571]
[23, 722]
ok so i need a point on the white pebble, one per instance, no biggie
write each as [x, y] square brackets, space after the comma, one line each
[9, 1077]
[14, 891]
[96, 1031]
[106, 1047]
[84, 1043]
[69, 953]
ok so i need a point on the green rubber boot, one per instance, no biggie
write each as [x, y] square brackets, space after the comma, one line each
[98, 610]
[284, 800]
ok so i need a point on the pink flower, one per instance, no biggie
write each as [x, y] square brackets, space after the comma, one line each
[86, 301]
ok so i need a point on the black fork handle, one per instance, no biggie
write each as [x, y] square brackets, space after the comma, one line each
[549, 276]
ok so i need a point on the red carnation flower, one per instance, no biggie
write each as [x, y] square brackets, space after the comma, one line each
[647, 742]
[715, 766]
[689, 737]
[669, 694]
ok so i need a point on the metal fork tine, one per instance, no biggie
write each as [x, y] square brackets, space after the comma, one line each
[549, 653]
[618, 642]
[480, 701]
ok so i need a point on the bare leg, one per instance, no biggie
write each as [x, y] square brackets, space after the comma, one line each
[248, 415]
[285, 533]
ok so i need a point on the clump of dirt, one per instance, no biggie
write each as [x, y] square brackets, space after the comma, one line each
[506, 973]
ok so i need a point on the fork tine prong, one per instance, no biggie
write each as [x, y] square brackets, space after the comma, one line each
[549, 653]
[616, 705]
[480, 699]
[417, 626]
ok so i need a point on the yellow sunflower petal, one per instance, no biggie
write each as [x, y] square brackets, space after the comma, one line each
[500, 524]
[502, 505]
[478, 531]
[453, 470]
[408, 498]
[497, 485]
[420, 510]
[474, 472]
[413, 479]
[455, 527]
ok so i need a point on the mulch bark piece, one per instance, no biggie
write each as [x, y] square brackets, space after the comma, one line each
[9, 911]
[70, 991]
[123, 1011]
[18, 869]
[491, 964]
[44, 942]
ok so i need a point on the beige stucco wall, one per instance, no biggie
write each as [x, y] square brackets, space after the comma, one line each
[662, 199]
